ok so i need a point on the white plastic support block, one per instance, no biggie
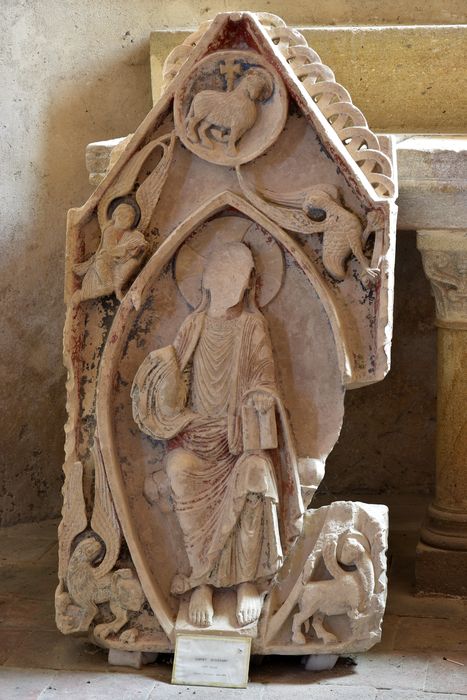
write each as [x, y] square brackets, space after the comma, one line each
[134, 659]
[319, 662]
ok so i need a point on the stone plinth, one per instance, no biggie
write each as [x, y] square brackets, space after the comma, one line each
[440, 570]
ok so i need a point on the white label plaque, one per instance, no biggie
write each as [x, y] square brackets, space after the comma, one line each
[212, 660]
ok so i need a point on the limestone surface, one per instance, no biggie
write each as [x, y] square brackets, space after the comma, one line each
[221, 298]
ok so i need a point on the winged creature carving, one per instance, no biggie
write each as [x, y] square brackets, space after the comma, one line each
[124, 219]
[88, 583]
[318, 209]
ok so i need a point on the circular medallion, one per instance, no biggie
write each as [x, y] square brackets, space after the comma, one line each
[231, 107]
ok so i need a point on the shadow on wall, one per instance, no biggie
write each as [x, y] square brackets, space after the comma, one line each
[107, 100]
[387, 443]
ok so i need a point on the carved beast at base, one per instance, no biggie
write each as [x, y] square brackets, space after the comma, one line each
[348, 592]
[121, 589]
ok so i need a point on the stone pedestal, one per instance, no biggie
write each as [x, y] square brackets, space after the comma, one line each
[439, 570]
[442, 555]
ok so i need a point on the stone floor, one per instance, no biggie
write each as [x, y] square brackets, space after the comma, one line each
[423, 654]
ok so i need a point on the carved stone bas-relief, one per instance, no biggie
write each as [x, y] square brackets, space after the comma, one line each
[348, 592]
[226, 282]
[318, 210]
[221, 474]
[231, 108]
[336, 584]
[120, 253]
[445, 264]
[123, 247]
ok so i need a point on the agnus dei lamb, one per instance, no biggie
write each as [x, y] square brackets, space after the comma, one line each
[231, 113]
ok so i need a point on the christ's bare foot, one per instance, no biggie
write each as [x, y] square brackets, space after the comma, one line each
[200, 610]
[248, 604]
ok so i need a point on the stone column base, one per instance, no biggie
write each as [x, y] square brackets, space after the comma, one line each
[445, 528]
[440, 570]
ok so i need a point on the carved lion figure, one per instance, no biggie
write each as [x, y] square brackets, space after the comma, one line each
[86, 590]
[232, 113]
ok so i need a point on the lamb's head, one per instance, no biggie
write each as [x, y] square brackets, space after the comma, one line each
[258, 84]
[87, 550]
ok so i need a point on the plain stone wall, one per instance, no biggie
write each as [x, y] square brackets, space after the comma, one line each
[76, 71]
[387, 443]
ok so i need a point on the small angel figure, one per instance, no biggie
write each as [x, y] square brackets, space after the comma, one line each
[121, 250]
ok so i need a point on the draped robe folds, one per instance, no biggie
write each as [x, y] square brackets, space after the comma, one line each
[227, 500]
[103, 269]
